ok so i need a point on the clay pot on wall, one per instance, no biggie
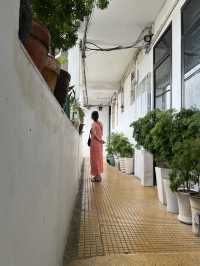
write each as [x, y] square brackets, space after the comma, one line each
[38, 44]
[51, 72]
[62, 87]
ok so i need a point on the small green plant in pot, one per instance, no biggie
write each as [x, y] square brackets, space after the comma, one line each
[109, 153]
[125, 150]
[185, 174]
[144, 137]
[142, 129]
[162, 150]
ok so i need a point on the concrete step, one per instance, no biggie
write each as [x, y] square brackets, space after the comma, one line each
[148, 259]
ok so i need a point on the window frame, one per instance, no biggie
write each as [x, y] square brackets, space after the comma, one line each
[156, 66]
[183, 57]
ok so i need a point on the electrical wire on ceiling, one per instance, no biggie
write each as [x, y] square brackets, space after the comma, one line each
[141, 42]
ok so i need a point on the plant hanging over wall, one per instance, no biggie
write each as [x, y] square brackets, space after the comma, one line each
[63, 18]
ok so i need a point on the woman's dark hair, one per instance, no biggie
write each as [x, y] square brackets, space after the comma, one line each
[95, 116]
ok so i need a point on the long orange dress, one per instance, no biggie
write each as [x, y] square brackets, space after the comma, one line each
[96, 149]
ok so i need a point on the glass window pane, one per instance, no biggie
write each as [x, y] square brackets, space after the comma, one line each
[192, 48]
[163, 77]
[163, 102]
[191, 12]
[192, 91]
[163, 47]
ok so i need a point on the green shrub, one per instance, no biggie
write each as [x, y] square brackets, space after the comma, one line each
[185, 141]
[63, 18]
[142, 130]
[185, 164]
[120, 145]
[161, 139]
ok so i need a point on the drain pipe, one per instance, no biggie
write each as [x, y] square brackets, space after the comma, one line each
[83, 48]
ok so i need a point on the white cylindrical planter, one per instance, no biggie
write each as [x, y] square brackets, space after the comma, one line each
[185, 214]
[116, 161]
[128, 165]
[122, 165]
[143, 167]
[172, 203]
[195, 206]
[161, 173]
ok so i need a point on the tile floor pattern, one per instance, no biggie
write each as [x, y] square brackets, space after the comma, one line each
[119, 216]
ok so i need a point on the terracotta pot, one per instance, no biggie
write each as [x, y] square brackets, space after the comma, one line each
[51, 72]
[62, 87]
[38, 44]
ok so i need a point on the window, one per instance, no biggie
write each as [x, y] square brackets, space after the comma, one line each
[163, 71]
[114, 111]
[191, 53]
[133, 87]
[122, 99]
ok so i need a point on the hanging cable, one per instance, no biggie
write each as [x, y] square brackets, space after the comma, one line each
[142, 38]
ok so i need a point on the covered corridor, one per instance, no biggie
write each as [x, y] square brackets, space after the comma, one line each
[122, 223]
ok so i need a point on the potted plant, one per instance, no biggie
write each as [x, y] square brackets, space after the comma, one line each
[38, 44]
[163, 153]
[126, 156]
[51, 72]
[81, 117]
[124, 150]
[109, 153]
[145, 148]
[114, 143]
[184, 175]
[195, 196]
[63, 19]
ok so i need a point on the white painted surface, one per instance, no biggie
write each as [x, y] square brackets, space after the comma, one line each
[144, 167]
[39, 159]
[172, 203]
[144, 65]
[74, 67]
[120, 24]
[103, 117]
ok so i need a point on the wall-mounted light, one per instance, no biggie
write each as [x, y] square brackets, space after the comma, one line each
[148, 38]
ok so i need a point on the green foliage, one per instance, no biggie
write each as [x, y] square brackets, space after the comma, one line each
[181, 123]
[161, 139]
[185, 164]
[120, 145]
[174, 140]
[63, 18]
[185, 139]
[62, 60]
[77, 111]
[142, 130]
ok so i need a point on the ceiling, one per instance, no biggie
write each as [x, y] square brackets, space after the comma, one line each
[120, 24]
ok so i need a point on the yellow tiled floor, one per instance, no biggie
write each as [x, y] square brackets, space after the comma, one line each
[119, 216]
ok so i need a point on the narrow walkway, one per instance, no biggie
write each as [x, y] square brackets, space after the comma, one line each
[119, 216]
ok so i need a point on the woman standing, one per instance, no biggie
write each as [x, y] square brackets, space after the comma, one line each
[96, 148]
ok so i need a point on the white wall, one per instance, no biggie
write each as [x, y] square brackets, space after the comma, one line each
[74, 64]
[103, 117]
[40, 158]
[144, 64]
